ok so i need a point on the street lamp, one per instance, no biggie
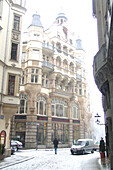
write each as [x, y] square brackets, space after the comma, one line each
[37, 136]
[97, 115]
[98, 121]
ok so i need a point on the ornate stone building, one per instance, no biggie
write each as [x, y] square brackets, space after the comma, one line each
[11, 12]
[103, 65]
[53, 88]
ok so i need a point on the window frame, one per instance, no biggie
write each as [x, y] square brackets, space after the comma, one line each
[41, 99]
[75, 111]
[14, 53]
[54, 104]
[10, 84]
[23, 97]
[16, 24]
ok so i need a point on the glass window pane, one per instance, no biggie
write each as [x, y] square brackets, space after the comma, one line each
[11, 85]
[16, 22]
[41, 108]
[65, 112]
[36, 79]
[59, 110]
[32, 70]
[36, 70]
[52, 110]
[32, 78]
[37, 108]
[14, 51]
[45, 110]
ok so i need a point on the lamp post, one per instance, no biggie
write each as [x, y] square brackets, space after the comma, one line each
[37, 136]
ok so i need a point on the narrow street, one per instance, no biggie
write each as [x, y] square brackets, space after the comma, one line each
[47, 160]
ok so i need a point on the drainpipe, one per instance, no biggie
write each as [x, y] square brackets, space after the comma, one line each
[7, 37]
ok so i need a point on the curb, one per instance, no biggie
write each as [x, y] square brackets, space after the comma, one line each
[17, 162]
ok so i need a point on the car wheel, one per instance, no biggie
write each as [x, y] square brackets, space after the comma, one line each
[83, 152]
[92, 151]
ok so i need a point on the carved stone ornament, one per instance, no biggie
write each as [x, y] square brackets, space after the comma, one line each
[15, 37]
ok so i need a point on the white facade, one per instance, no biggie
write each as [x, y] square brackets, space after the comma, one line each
[11, 13]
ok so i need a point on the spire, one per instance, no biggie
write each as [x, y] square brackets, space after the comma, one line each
[36, 21]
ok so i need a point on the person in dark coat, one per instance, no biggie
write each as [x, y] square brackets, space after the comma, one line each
[102, 145]
[55, 142]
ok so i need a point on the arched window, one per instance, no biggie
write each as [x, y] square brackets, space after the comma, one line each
[75, 113]
[23, 104]
[41, 105]
[71, 66]
[59, 108]
[65, 64]
[58, 61]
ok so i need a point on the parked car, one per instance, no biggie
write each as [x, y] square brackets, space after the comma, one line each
[96, 146]
[82, 146]
[16, 145]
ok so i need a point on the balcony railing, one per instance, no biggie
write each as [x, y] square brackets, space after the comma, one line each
[79, 77]
[50, 47]
[48, 65]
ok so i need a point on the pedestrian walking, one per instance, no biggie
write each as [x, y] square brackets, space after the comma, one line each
[102, 148]
[55, 142]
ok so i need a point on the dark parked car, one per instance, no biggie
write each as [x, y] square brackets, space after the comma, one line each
[16, 145]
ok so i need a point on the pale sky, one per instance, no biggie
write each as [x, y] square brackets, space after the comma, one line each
[82, 22]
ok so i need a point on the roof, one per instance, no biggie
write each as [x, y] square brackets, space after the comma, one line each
[61, 15]
[36, 21]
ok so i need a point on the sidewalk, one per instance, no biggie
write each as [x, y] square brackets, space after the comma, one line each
[12, 160]
[96, 164]
[104, 163]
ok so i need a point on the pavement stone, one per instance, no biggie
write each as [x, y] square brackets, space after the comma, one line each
[12, 160]
[96, 164]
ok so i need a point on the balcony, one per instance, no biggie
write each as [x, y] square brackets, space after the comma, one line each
[48, 48]
[78, 77]
[62, 93]
[78, 63]
[100, 67]
[47, 67]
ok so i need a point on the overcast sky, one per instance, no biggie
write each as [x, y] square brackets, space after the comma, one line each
[82, 22]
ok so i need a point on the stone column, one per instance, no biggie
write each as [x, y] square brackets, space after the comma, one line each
[70, 124]
[31, 130]
[49, 124]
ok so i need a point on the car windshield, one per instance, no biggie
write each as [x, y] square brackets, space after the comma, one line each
[80, 143]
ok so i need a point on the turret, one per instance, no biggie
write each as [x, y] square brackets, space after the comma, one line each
[36, 21]
[61, 19]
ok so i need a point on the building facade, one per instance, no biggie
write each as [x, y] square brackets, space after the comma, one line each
[53, 88]
[103, 65]
[11, 12]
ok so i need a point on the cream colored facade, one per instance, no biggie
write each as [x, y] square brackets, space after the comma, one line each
[53, 91]
[11, 12]
[103, 65]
